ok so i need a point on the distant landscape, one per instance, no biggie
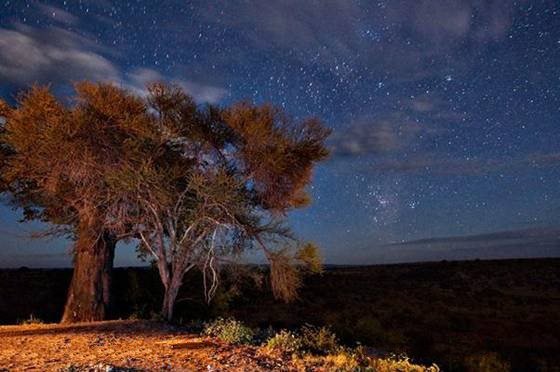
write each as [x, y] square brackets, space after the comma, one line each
[541, 242]
[444, 312]
[523, 243]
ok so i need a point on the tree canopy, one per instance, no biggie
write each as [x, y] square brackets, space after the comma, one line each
[192, 183]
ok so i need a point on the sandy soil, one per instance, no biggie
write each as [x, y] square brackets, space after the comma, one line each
[126, 345]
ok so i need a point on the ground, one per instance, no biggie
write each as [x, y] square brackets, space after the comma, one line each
[448, 313]
[136, 345]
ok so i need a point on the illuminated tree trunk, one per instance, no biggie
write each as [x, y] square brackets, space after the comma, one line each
[171, 292]
[89, 294]
[169, 301]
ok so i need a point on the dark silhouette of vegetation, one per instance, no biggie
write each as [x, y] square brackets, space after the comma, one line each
[195, 185]
[460, 315]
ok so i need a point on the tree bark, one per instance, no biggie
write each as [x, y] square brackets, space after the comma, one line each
[171, 292]
[89, 294]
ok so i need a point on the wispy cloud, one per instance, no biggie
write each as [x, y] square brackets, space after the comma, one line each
[418, 119]
[411, 39]
[434, 165]
[29, 55]
[58, 14]
[376, 135]
[523, 243]
[423, 104]
[446, 22]
[56, 56]
[137, 80]
[498, 236]
[433, 109]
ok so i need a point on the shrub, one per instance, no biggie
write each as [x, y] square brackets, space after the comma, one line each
[285, 342]
[315, 348]
[487, 362]
[401, 364]
[310, 257]
[229, 330]
[356, 360]
[309, 340]
[341, 361]
[320, 341]
[32, 320]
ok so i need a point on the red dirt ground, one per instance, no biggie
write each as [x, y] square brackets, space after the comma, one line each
[136, 345]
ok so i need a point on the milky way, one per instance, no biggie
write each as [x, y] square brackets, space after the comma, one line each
[445, 113]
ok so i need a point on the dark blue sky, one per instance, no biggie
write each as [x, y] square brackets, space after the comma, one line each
[446, 114]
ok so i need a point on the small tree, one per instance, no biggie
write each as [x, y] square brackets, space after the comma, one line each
[228, 177]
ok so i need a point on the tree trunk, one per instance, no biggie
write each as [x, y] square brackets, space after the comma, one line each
[89, 295]
[171, 292]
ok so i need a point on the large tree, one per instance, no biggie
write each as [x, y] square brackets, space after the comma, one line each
[59, 162]
[193, 184]
[223, 182]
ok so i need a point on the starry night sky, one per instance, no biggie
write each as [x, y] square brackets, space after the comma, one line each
[445, 113]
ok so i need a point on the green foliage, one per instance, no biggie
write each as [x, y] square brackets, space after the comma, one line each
[309, 256]
[399, 364]
[318, 341]
[314, 348]
[308, 340]
[285, 342]
[229, 330]
[487, 362]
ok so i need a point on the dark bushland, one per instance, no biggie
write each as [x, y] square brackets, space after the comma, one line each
[458, 314]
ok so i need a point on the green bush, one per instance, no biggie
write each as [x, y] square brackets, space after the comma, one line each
[319, 341]
[356, 359]
[308, 340]
[400, 364]
[229, 330]
[285, 342]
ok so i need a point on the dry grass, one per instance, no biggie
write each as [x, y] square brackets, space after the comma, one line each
[284, 277]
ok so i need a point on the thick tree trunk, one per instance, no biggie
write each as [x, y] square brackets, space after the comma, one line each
[89, 294]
